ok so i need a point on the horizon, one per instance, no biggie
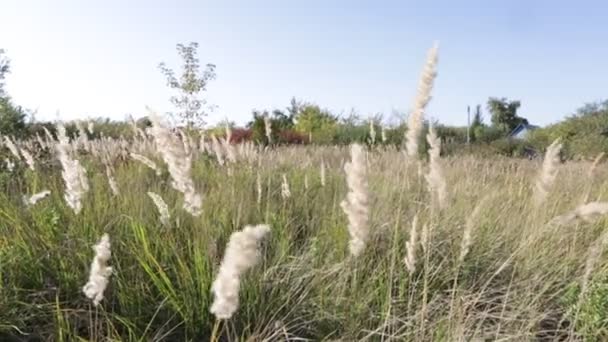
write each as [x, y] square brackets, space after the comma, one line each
[101, 61]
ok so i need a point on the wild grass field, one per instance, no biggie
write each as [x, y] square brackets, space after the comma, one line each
[161, 238]
[492, 263]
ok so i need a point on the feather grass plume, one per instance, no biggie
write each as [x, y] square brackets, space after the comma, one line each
[587, 212]
[185, 141]
[435, 179]
[322, 173]
[356, 203]
[162, 208]
[410, 246]
[111, 180]
[548, 172]
[258, 183]
[217, 150]
[144, 160]
[228, 133]
[10, 166]
[423, 96]
[29, 159]
[285, 191]
[242, 253]
[74, 175]
[49, 137]
[32, 200]
[11, 147]
[424, 237]
[268, 128]
[383, 134]
[100, 272]
[83, 138]
[179, 164]
[41, 142]
[467, 235]
[230, 151]
[372, 132]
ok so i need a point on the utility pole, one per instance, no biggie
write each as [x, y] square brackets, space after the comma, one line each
[468, 125]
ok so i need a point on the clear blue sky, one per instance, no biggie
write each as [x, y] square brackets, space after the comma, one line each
[99, 58]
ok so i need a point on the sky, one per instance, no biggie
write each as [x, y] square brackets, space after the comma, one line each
[84, 59]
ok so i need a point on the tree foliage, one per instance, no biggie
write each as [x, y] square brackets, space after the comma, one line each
[584, 134]
[279, 122]
[318, 123]
[192, 109]
[504, 113]
[12, 118]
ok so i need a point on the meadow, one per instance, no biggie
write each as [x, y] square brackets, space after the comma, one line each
[174, 236]
[490, 264]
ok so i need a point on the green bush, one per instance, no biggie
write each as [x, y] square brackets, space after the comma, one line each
[583, 134]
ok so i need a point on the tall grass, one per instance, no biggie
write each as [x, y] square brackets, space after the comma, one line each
[519, 279]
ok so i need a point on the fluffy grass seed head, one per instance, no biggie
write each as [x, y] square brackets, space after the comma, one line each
[242, 253]
[179, 163]
[548, 172]
[423, 96]
[144, 160]
[355, 205]
[74, 175]
[29, 159]
[285, 191]
[162, 208]
[32, 200]
[100, 272]
[268, 128]
[11, 147]
[322, 173]
[410, 246]
[434, 178]
[587, 212]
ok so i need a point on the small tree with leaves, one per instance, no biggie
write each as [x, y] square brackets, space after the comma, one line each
[192, 109]
[12, 118]
[504, 114]
[477, 126]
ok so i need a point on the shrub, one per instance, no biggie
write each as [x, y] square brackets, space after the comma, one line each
[240, 135]
[292, 137]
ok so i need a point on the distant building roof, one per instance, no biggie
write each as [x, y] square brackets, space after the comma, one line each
[522, 130]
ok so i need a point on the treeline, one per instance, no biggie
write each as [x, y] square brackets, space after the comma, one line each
[584, 134]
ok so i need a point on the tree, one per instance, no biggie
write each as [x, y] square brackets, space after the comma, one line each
[477, 126]
[4, 69]
[294, 108]
[594, 108]
[477, 117]
[319, 124]
[12, 118]
[504, 114]
[258, 127]
[279, 122]
[192, 109]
